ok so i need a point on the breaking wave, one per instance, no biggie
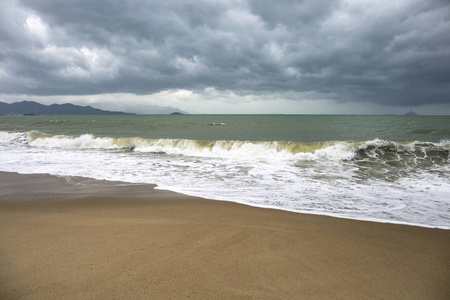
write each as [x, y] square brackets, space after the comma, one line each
[330, 150]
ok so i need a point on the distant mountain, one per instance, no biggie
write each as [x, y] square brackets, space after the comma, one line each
[411, 113]
[34, 108]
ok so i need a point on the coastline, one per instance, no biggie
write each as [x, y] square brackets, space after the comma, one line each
[133, 241]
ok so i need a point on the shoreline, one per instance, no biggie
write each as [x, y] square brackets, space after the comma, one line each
[92, 239]
[68, 187]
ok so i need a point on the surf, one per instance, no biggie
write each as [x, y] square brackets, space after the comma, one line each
[237, 149]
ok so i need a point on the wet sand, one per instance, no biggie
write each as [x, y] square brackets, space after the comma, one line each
[86, 239]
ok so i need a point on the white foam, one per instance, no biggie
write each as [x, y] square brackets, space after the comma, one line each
[85, 141]
[8, 138]
[222, 149]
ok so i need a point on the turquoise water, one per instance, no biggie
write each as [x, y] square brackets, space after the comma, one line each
[380, 168]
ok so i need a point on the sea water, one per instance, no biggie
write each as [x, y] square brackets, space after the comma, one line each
[381, 168]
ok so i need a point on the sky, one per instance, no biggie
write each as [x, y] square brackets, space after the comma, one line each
[229, 56]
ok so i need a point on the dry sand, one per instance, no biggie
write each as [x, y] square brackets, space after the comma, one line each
[88, 239]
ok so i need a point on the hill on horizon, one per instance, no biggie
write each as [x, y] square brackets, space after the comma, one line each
[35, 108]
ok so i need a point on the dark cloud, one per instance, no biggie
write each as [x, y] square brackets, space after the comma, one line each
[391, 52]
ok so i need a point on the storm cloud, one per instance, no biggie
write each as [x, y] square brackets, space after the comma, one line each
[381, 52]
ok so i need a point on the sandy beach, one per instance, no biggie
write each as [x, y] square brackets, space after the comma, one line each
[85, 239]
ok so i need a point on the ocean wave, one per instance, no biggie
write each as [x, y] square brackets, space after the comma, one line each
[13, 137]
[389, 150]
[237, 149]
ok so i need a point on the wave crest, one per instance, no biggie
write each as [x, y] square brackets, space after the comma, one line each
[236, 149]
[382, 149]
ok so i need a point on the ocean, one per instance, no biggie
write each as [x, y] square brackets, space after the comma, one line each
[391, 169]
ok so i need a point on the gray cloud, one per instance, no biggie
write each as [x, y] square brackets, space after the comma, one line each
[390, 53]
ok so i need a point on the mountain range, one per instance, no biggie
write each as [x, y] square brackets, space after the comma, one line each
[34, 108]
